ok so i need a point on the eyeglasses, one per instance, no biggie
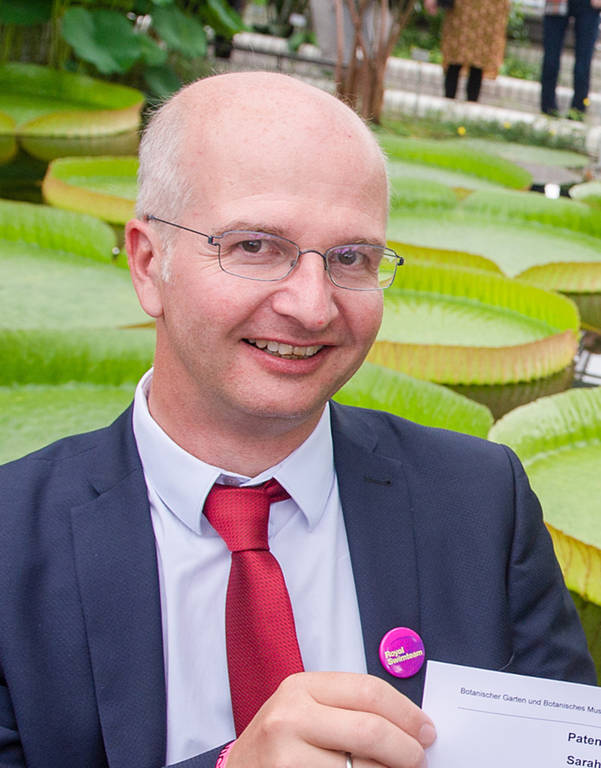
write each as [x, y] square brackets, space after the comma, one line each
[261, 256]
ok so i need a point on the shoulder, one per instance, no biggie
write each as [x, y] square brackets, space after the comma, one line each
[436, 460]
[400, 438]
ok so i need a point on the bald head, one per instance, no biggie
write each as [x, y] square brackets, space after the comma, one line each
[256, 120]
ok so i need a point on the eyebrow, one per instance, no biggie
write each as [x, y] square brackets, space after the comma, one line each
[245, 226]
[271, 229]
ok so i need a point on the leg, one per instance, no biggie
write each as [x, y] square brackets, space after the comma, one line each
[586, 26]
[451, 78]
[474, 83]
[554, 30]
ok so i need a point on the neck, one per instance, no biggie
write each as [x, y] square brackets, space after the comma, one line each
[246, 445]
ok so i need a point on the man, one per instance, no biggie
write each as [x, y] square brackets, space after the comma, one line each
[117, 644]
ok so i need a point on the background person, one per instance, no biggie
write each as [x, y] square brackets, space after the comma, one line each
[473, 38]
[586, 27]
[130, 636]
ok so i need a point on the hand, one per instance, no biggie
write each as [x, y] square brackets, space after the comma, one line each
[315, 717]
[431, 7]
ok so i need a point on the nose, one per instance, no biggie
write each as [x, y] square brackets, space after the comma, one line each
[307, 294]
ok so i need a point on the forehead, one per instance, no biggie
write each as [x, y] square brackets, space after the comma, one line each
[279, 150]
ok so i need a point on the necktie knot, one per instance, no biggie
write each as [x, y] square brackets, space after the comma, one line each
[241, 515]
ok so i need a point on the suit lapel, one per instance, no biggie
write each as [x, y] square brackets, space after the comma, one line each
[116, 566]
[379, 521]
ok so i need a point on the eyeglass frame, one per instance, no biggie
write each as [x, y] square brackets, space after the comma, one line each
[213, 240]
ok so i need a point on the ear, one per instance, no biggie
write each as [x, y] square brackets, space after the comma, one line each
[144, 257]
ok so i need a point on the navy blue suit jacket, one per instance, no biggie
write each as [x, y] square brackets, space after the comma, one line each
[445, 537]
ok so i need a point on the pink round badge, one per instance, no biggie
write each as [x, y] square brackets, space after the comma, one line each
[402, 652]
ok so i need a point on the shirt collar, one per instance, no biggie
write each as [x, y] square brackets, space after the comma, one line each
[182, 481]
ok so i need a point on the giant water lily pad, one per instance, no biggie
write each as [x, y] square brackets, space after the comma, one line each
[46, 102]
[462, 326]
[528, 153]
[409, 191]
[104, 186]
[402, 174]
[33, 416]
[589, 192]
[559, 441]
[455, 157]
[510, 206]
[517, 247]
[417, 254]
[67, 311]
[374, 386]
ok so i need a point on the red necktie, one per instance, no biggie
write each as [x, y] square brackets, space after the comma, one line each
[262, 648]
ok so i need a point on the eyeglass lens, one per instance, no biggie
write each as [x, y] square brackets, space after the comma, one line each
[261, 256]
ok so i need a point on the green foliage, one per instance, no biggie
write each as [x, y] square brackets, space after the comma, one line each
[558, 439]
[589, 192]
[145, 39]
[94, 355]
[408, 192]
[516, 246]
[439, 127]
[179, 32]
[35, 415]
[531, 206]
[105, 187]
[466, 326]
[513, 66]
[104, 38]
[374, 386]
[25, 12]
[456, 157]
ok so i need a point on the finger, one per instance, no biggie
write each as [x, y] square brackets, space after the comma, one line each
[366, 693]
[369, 737]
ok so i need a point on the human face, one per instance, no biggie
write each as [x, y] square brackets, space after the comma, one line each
[243, 351]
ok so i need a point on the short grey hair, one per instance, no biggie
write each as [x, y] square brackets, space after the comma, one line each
[164, 186]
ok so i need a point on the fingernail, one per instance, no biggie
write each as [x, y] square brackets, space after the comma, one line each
[426, 735]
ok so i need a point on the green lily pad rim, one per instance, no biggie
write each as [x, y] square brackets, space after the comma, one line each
[76, 233]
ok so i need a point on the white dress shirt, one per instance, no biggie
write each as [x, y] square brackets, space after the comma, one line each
[306, 535]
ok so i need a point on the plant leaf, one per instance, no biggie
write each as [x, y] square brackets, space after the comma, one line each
[462, 326]
[589, 192]
[222, 17]
[417, 254]
[531, 206]
[25, 12]
[151, 52]
[456, 157]
[515, 247]
[103, 37]
[558, 439]
[103, 186]
[374, 386]
[180, 31]
[95, 355]
[46, 102]
[33, 416]
[162, 81]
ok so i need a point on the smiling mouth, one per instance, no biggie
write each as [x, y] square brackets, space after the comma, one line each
[287, 351]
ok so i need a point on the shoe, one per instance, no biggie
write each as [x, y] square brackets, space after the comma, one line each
[550, 112]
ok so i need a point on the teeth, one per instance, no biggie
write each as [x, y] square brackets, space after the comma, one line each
[284, 350]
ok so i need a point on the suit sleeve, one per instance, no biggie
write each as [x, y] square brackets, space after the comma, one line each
[547, 634]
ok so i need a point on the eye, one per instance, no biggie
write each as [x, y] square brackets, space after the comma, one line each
[348, 257]
[251, 246]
